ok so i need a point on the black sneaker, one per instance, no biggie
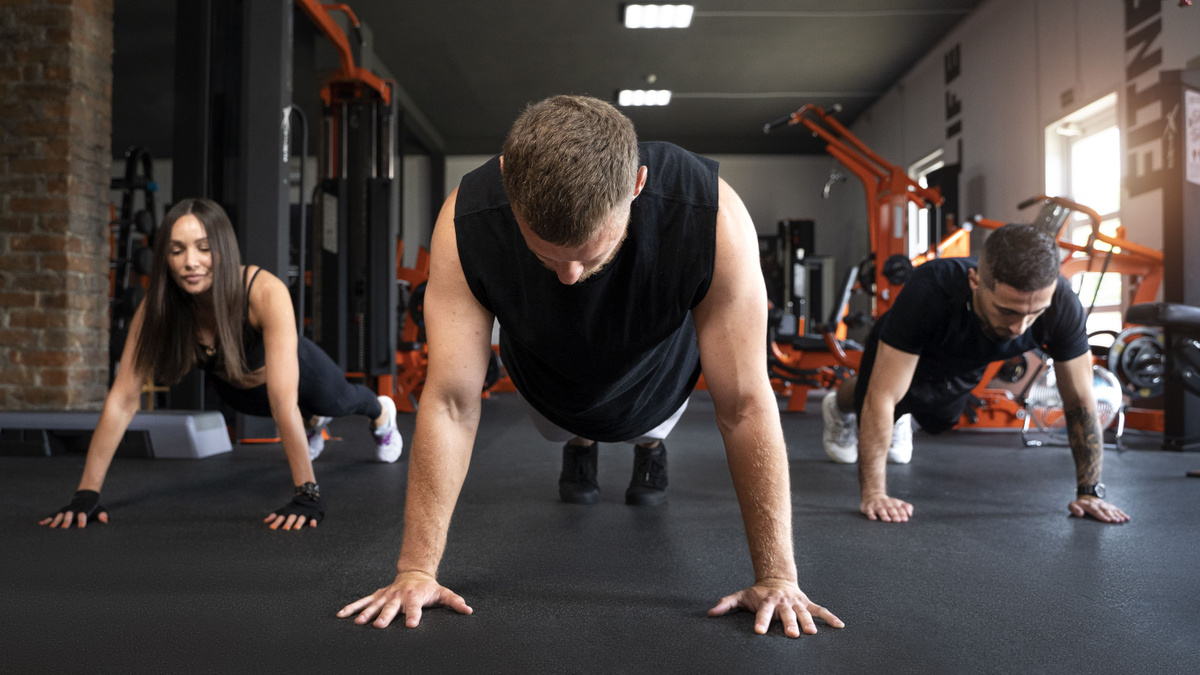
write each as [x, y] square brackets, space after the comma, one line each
[648, 487]
[577, 484]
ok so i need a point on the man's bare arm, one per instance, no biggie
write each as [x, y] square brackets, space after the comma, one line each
[458, 331]
[1087, 448]
[731, 325]
[890, 378]
[1085, 436]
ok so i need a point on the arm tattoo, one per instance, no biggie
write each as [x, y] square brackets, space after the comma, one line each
[1083, 430]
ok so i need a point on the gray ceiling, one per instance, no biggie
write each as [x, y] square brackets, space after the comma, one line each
[471, 65]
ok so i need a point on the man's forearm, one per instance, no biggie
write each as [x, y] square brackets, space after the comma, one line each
[759, 468]
[1087, 445]
[875, 436]
[441, 453]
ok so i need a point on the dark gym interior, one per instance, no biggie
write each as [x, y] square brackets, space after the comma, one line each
[864, 138]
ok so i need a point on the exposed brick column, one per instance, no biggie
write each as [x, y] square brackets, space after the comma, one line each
[55, 154]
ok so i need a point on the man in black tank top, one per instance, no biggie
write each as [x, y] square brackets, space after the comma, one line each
[614, 270]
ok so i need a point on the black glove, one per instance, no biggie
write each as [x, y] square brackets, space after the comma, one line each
[86, 502]
[306, 502]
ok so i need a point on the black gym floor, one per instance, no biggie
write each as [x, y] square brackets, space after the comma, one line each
[991, 575]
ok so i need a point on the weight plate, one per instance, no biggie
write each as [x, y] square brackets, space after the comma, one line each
[896, 269]
[416, 305]
[1013, 369]
[1138, 359]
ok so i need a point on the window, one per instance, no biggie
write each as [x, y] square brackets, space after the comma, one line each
[1083, 163]
[918, 219]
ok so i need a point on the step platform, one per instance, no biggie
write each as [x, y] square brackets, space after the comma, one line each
[167, 434]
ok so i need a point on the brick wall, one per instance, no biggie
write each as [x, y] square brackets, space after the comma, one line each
[55, 157]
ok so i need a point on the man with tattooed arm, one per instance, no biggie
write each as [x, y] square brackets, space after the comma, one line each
[923, 357]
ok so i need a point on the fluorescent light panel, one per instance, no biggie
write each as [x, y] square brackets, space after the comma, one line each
[636, 97]
[658, 16]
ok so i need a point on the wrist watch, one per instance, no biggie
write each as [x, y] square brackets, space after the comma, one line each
[313, 491]
[1095, 490]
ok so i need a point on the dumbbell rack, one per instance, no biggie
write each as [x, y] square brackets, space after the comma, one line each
[130, 235]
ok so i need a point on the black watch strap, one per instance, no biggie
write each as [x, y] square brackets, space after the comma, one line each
[1094, 490]
[309, 489]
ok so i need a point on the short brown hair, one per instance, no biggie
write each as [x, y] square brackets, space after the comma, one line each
[1021, 256]
[568, 162]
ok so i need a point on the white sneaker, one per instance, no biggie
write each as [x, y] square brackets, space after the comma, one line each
[316, 436]
[841, 431]
[900, 451]
[388, 443]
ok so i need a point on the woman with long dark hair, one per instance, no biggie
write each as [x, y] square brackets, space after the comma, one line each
[205, 309]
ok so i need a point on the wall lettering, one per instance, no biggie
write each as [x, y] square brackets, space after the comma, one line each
[1144, 117]
[952, 66]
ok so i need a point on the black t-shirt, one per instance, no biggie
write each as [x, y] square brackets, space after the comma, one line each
[933, 317]
[614, 356]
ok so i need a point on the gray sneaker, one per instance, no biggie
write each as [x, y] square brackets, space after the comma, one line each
[841, 431]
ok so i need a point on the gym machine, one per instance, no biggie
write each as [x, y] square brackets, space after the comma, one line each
[412, 353]
[889, 191]
[999, 400]
[354, 293]
[1179, 342]
[823, 360]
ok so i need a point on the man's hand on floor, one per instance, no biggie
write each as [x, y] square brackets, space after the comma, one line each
[885, 508]
[772, 599]
[1098, 509]
[409, 593]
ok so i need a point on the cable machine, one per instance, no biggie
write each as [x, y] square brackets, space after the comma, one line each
[353, 243]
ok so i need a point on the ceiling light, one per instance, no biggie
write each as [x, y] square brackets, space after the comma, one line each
[658, 16]
[636, 97]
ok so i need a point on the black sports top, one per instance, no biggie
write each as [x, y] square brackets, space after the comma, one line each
[252, 340]
[613, 356]
[933, 317]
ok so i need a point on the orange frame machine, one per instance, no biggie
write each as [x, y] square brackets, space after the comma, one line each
[889, 191]
[823, 362]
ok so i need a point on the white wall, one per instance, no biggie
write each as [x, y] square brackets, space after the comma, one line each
[416, 220]
[779, 187]
[1026, 64]
[458, 166]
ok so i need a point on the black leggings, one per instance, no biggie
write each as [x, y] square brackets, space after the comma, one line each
[323, 390]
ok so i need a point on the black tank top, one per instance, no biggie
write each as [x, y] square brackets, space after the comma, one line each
[614, 356]
[252, 340]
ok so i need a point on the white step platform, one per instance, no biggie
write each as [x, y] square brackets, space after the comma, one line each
[171, 434]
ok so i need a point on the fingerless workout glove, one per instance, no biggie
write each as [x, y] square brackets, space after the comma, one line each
[86, 502]
[305, 505]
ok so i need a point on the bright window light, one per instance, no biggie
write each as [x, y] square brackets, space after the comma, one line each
[636, 97]
[658, 16]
